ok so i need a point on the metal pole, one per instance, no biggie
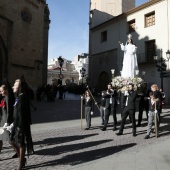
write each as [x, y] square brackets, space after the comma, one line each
[81, 112]
[161, 74]
[93, 97]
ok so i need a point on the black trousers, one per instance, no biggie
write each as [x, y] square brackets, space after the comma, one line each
[125, 114]
[141, 109]
[110, 110]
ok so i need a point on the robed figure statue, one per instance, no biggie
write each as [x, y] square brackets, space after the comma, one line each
[130, 64]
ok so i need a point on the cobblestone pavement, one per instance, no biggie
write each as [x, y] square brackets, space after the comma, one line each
[64, 145]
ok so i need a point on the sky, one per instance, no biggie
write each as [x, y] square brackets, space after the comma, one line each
[69, 29]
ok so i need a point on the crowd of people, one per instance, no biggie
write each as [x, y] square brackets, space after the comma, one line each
[15, 116]
[49, 92]
[149, 100]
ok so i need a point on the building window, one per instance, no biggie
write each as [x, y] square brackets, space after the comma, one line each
[150, 19]
[150, 50]
[103, 36]
[131, 26]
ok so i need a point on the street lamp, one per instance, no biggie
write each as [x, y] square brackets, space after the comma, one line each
[113, 72]
[136, 73]
[168, 57]
[82, 72]
[61, 62]
[143, 74]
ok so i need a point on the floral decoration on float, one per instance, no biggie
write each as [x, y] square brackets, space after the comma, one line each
[121, 83]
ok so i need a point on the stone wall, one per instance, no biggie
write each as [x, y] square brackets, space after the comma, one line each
[23, 32]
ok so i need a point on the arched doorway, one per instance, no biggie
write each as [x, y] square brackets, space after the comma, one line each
[103, 81]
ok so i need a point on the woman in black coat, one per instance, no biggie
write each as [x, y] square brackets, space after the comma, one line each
[89, 105]
[6, 107]
[21, 127]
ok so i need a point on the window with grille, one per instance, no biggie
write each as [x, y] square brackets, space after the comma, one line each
[131, 26]
[150, 50]
[150, 19]
[103, 36]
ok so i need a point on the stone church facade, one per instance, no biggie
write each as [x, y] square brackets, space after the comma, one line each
[24, 26]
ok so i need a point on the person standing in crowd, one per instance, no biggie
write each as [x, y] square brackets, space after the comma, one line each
[129, 109]
[7, 117]
[157, 95]
[88, 108]
[102, 104]
[163, 97]
[21, 131]
[143, 102]
[152, 103]
[111, 106]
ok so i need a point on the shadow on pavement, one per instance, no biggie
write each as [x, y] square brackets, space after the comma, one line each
[69, 148]
[57, 140]
[83, 157]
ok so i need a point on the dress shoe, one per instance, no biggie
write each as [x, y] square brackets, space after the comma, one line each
[119, 133]
[86, 128]
[134, 134]
[24, 162]
[103, 128]
[147, 137]
[115, 128]
[15, 156]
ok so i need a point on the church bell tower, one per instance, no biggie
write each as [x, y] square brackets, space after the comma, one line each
[103, 10]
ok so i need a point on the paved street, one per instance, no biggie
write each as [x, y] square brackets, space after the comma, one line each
[60, 143]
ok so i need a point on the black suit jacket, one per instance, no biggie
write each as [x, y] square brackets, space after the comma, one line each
[142, 102]
[158, 95]
[113, 96]
[131, 100]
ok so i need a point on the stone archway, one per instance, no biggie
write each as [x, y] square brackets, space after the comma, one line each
[103, 81]
[3, 60]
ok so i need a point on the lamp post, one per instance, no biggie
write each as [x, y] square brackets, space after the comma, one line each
[113, 72]
[143, 74]
[136, 73]
[168, 57]
[82, 72]
[61, 62]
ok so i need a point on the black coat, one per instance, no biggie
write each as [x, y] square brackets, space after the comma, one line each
[142, 102]
[158, 95]
[22, 122]
[113, 96]
[131, 100]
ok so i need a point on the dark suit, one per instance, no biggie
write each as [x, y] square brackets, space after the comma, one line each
[89, 105]
[158, 95]
[129, 109]
[111, 106]
[143, 104]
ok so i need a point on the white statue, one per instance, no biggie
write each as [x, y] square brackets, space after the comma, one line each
[130, 64]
